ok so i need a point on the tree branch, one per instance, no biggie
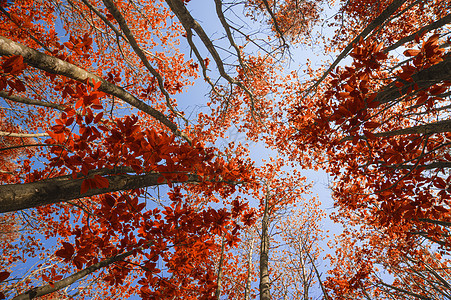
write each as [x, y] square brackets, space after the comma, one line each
[376, 22]
[23, 135]
[132, 41]
[14, 197]
[427, 129]
[437, 24]
[50, 288]
[29, 101]
[57, 66]
[423, 79]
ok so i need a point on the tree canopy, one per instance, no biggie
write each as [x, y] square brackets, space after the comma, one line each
[117, 182]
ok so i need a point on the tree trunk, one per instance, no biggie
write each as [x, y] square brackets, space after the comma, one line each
[305, 281]
[14, 197]
[247, 289]
[264, 252]
[221, 262]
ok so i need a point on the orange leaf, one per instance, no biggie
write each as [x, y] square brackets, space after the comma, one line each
[79, 104]
[432, 39]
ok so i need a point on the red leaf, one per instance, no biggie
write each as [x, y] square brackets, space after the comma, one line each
[79, 104]
[89, 117]
[137, 168]
[440, 208]
[70, 121]
[161, 179]
[101, 182]
[4, 275]
[421, 99]
[58, 128]
[369, 135]
[379, 47]
[417, 38]
[440, 183]
[411, 52]
[98, 117]
[57, 277]
[69, 247]
[109, 200]
[372, 124]
[85, 186]
[66, 253]
[140, 206]
[96, 84]
[432, 39]
[435, 90]
[19, 86]
[14, 65]
[348, 88]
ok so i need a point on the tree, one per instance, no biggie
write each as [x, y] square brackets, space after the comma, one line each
[89, 92]
[100, 159]
[96, 161]
[379, 126]
[277, 257]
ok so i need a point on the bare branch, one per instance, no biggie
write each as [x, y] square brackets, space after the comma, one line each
[29, 101]
[23, 135]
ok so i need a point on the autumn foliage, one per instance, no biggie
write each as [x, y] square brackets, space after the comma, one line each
[113, 185]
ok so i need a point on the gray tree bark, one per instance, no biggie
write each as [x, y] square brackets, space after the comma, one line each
[264, 254]
[220, 266]
[247, 289]
[14, 197]
[29, 101]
